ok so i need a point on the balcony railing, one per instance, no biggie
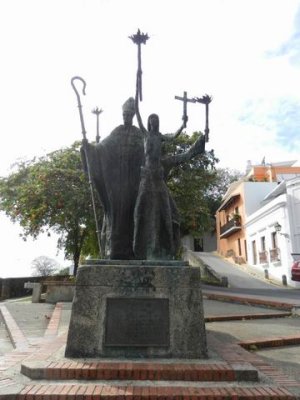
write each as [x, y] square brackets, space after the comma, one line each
[263, 257]
[232, 226]
[274, 254]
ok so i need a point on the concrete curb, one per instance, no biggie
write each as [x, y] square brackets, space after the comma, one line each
[270, 342]
[16, 335]
[241, 317]
[248, 300]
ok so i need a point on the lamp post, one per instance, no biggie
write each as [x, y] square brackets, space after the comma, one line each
[278, 227]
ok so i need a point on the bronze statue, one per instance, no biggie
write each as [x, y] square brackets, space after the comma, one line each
[156, 218]
[115, 170]
[128, 171]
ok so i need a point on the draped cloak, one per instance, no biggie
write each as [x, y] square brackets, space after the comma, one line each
[115, 165]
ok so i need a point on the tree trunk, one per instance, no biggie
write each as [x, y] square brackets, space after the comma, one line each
[77, 251]
[76, 257]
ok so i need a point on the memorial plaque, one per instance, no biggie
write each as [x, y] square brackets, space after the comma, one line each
[137, 322]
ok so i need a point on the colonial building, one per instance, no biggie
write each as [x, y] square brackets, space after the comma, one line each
[242, 199]
[273, 232]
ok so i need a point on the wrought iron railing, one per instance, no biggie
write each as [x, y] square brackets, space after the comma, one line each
[274, 254]
[231, 226]
[263, 257]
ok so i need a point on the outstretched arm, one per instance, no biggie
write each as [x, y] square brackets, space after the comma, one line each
[136, 106]
[196, 149]
[172, 136]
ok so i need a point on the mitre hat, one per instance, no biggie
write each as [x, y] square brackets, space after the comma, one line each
[129, 105]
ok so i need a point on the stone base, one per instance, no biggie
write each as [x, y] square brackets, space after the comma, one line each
[137, 311]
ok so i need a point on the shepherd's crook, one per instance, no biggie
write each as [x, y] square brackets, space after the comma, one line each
[86, 153]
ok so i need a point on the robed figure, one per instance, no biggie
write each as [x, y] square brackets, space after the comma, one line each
[115, 165]
[156, 218]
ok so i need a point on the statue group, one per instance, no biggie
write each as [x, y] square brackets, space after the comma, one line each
[136, 308]
[128, 170]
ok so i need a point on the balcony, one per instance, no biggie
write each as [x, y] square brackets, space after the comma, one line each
[275, 254]
[263, 257]
[232, 226]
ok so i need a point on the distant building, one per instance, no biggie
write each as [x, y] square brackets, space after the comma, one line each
[243, 199]
[207, 242]
[273, 232]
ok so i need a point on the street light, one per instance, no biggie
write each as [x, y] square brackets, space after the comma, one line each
[278, 227]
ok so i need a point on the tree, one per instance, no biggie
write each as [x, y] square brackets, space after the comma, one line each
[52, 192]
[189, 184]
[197, 186]
[224, 177]
[44, 266]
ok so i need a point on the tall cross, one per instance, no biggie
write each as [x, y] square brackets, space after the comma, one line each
[97, 112]
[139, 38]
[185, 101]
[206, 99]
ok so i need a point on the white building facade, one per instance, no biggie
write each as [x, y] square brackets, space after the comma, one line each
[273, 232]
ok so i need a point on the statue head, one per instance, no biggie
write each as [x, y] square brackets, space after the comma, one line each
[153, 123]
[128, 111]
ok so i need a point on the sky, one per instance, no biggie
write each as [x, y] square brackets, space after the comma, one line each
[245, 54]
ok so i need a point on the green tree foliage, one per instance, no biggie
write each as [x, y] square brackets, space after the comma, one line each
[197, 186]
[52, 192]
[223, 178]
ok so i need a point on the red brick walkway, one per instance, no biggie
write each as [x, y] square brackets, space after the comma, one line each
[58, 389]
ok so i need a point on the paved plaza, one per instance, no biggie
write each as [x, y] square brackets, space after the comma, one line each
[34, 336]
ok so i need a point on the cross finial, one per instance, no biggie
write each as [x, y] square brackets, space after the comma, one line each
[185, 100]
[97, 112]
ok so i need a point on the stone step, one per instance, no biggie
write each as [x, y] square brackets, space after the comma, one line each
[65, 370]
[144, 392]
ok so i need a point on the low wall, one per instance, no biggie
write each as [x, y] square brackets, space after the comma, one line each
[59, 291]
[14, 287]
[208, 275]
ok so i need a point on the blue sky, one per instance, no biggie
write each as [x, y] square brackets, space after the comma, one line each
[246, 54]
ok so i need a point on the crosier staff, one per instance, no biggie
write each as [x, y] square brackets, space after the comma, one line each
[86, 153]
[206, 99]
[139, 38]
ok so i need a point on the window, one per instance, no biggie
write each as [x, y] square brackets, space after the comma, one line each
[274, 252]
[263, 255]
[263, 243]
[274, 240]
[254, 252]
[246, 252]
[239, 246]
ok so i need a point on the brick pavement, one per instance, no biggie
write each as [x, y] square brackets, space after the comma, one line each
[231, 358]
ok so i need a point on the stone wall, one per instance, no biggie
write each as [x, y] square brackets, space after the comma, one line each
[14, 287]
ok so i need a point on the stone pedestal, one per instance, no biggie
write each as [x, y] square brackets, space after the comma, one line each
[137, 309]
